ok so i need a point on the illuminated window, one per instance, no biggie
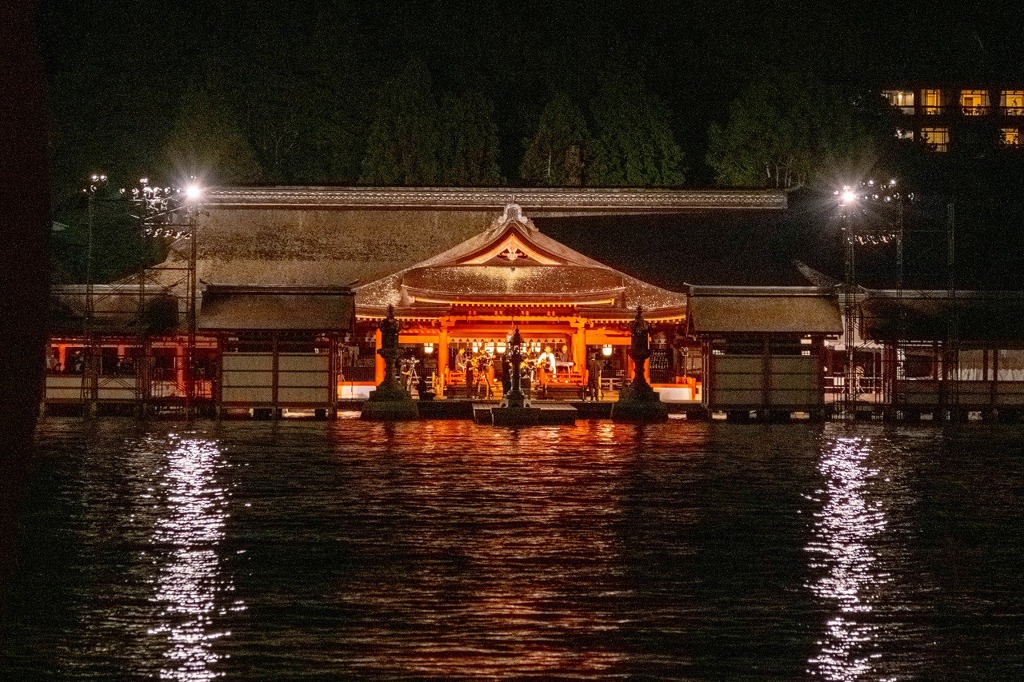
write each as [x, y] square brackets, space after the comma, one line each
[1012, 102]
[900, 99]
[1010, 137]
[933, 101]
[974, 102]
[937, 139]
[904, 134]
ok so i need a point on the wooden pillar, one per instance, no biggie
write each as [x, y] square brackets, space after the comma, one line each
[217, 389]
[180, 359]
[766, 374]
[579, 345]
[707, 354]
[275, 367]
[994, 390]
[442, 361]
[379, 368]
[333, 371]
[93, 358]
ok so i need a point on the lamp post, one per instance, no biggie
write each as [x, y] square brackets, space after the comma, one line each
[97, 181]
[193, 195]
[90, 369]
[174, 213]
[848, 202]
[865, 221]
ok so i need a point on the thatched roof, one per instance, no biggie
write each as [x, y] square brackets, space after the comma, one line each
[332, 236]
[776, 310]
[513, 262]
[310, 247]
[264, 309]
[973, 317]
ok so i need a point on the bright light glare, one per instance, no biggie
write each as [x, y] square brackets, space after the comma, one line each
[193, 192]
[848, 196]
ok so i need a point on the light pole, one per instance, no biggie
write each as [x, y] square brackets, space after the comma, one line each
[97, 181]
[849, 205]
[193, 196]
[865, 220]
[90, 368]
[174, 213]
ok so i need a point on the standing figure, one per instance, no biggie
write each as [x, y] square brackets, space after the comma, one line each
[594, 378]
[489, 374]
[470, 376]
[547, 361]
[484, 375]
[506, 374]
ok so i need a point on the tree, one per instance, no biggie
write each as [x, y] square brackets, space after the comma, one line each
[635, 146]
[402, 148]
[306, 100]
[468, 138]
[784, 130]
[207, 142]
[118, 247]
[560, 150]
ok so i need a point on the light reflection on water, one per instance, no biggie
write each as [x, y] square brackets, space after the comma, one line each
[844, 529]
[191, 588]
[448, 550]
[488, 590]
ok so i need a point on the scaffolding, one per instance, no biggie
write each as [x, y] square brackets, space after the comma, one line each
[933, 239]
[126, 313]
[870, 214]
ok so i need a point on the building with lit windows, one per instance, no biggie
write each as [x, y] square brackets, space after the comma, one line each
[946, 118]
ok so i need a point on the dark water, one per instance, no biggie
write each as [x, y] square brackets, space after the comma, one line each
[446, 550]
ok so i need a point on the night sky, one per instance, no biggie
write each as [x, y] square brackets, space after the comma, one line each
[118, 69]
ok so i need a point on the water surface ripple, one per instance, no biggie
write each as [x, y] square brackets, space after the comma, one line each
[447, 550]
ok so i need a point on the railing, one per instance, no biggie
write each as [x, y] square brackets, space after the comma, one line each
[975, 110]
[867, 389]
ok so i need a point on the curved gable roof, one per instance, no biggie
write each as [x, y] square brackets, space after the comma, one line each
[513, 260]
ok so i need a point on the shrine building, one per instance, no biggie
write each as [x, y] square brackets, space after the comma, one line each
[469, 297]
[291, 283]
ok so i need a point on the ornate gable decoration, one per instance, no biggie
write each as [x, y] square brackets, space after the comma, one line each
[511, 254]
[513, 213]
[512, 243]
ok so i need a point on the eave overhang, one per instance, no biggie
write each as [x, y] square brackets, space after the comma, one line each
[536, 200]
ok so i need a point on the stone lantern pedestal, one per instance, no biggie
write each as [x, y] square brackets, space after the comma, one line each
[390, 401]
[638, 402]
[515, 409]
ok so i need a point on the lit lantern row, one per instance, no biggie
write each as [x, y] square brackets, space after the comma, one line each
[500, 347]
